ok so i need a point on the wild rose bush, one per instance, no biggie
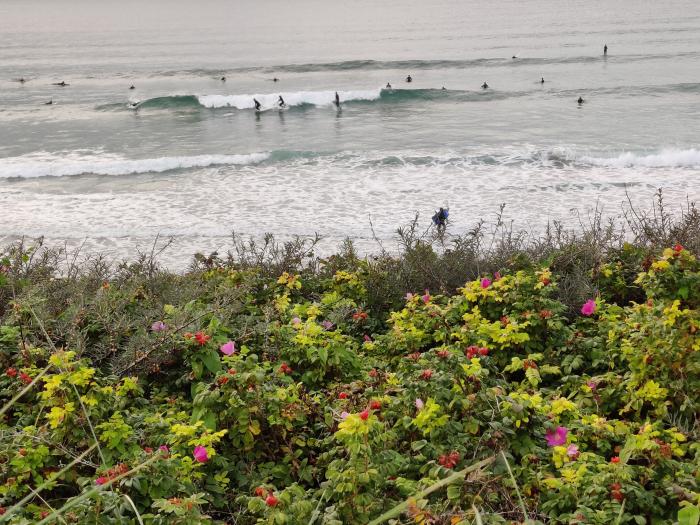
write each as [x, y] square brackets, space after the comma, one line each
[226, 396]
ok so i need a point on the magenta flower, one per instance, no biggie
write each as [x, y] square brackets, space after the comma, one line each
[228, 348]
[572, 451]
[497, 276]
[296, 320]
[426, 297]
[159, 326]
[200, 454]
[101, 480]
[592, 385]
[344, 414]
[588, 307]
[419, 404]
[485, 282]
[556, 438]
[367, 338]
[164, 448]
[327, 325]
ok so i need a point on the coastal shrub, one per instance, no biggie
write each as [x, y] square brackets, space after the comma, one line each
[273, 392]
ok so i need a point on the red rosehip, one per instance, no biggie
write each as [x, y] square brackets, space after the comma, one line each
[443, 354]
[260, 492]
[615, 486]
[615, 459]
[483, 351]
[25, 378]
[364, 415]
[678, 248]
[285, 369]
[426, 374]
[616, 494]
[373, 373]
[271, 501]
[375, 405]
[201, 338]
[11, 372]
[343, 395]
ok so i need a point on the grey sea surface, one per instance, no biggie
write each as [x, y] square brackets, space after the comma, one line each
[185, 154]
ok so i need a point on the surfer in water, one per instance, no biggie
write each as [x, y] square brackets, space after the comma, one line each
[257, 105]
[580, 100]
[337, 100]
[50, 102]
[275, 79]
[605, 50]
[388, 85]
[21, 80]
[484, 86]
[440, 218]
[62, 83]
[409, 78]
[542, 80]
[132, 87]
[223, 79]
[281, 102]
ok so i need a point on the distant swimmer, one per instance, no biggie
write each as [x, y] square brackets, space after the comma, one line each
[542, 80]
[409, 79]
[388, 85]
[514, 57]
[62, 83]
[337, 100]
[50, 102]
[275, 79]
[484, 86]
[281, 102]
[257, 105]
[223, 79]
[21, 80]
[132, 87]
[580, 100]
[605, 49]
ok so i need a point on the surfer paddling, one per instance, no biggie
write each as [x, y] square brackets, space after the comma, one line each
[62, 83]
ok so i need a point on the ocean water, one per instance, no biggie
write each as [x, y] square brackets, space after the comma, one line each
[184, 154]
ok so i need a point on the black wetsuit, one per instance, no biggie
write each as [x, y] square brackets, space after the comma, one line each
[281, 102]
[337, 100]
[257, 105]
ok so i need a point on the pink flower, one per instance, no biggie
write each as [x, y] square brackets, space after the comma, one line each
[592, 385]
[367, 338]
[497, 276]
[101, 480]
[572, 451]
[164, 448]
[200, 454]
[426, 297]
[485, 282]
[589, 307]
[228, 348]
[344, 414]
[556, 438]
[409, 296]
[296, 320]
[327, 325]
[419, 404]
[159, 326]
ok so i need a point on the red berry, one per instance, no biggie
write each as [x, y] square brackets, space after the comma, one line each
[615, 486]
[25, 378]
[614, 459]
[373, 373]
[443, 354]
[375, 405]
[483, 351]
[260, 491]
[426, 374]
[11, 372]
[617, 495]
[271, 501]
[343, 395]
[364, 415]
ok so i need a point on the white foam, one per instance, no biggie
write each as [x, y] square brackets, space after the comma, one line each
[296, 98]
[62, 165]
[668, 158]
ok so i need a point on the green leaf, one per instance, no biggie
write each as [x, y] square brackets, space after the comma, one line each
[689, 515]
[211, 360]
